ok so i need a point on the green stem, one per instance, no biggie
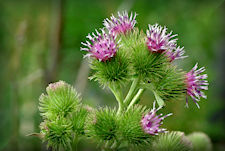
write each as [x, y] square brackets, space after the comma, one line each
[136, 98]
[132, 90]
[116, 145]
[119, 97]
[105, 146]
[75, 143]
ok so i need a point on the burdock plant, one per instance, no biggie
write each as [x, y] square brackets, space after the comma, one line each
[120, 55]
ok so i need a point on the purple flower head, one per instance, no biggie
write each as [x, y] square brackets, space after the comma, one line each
[122, 24]
[151, 122]
[195, 83]
[176, 53]
[103, 46]
[158, 40]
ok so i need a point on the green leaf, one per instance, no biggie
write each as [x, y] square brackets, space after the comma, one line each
[158, 99]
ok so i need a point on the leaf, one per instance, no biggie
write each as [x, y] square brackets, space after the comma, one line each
[159, 100]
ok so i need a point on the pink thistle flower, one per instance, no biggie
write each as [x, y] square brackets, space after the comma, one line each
[151, 122]
[195, 83]
[122, 24]
[158, 40]
[103, 46]
[175, 54]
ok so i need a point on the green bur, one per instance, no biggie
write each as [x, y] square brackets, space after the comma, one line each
[146, 65]
[57, 133]
[111, 72]
[63, 115]
[171, 141]
[171, 86]
[200, 141]
[78, 120]
[101, 126]
[130, 129]
[61, 99]
[111, 131]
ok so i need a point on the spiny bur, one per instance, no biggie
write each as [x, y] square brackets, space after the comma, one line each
[60, 100]
[57, 134]
[145, 64]
[171, 86]
[171, 141]
[101, 125]
[78, 120]
[130, 128]
[114, 71]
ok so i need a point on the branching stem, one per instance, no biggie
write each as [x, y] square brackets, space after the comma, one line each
[136, 98]
[119, 97]
[132, 90]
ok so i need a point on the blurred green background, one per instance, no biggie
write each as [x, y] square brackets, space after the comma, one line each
[40, 43]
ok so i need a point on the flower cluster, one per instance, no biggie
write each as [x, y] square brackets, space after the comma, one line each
[195, 83]
[151, 122]
[121, 56]
[158, 41]
[104, 46]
